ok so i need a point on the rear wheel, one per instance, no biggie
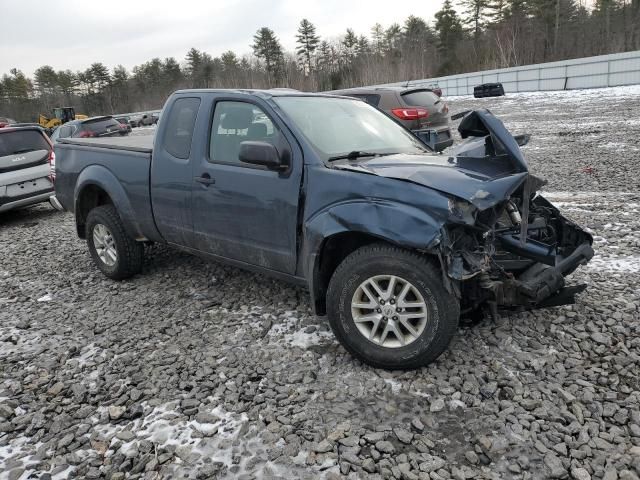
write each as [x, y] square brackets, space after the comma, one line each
[389, 308]
[114, 252]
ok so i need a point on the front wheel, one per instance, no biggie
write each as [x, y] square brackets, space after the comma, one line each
[388, 307]
[114, 252]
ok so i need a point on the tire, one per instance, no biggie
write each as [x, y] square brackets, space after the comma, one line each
[432, 332]
[129, 253]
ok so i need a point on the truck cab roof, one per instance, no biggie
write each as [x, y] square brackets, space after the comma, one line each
[263, 93]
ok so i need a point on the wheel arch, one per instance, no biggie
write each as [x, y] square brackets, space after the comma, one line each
[337, 232]
[97, 186]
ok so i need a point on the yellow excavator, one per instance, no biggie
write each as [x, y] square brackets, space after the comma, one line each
[60, 115]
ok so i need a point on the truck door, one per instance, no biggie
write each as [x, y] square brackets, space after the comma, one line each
[171, 175]
[241, 211]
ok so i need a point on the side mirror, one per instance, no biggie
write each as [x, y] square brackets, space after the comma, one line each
[260, 153]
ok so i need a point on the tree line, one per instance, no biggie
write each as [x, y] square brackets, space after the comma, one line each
[473, 35]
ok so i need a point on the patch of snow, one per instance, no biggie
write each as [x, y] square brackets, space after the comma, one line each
[90, 352]
[615, 263]
[164, 426]
[580, 195]
[64, 474]
[305, 340]
[45, 298]
[569, 95]
[19, 451]
[395, 385]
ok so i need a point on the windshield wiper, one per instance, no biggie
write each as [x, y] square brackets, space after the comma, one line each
[24, 150]
[356, 154]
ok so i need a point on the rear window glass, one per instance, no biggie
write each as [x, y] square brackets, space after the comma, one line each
[179, 128]
[420, 98]
[21, 141]
[100, 125]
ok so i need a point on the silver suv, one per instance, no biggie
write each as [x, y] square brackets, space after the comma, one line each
[25, 155]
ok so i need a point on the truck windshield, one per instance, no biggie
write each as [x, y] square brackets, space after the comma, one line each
[339, 126]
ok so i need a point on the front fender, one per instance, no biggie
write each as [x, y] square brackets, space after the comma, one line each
[101, 177]
[395, 222]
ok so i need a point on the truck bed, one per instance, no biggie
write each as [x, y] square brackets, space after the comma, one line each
[132, 143]
[119, 165]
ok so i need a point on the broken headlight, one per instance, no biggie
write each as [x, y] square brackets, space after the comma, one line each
[461, 211]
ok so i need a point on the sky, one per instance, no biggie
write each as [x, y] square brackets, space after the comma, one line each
[72, 34]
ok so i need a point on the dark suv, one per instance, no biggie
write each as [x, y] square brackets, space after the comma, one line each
[90, 127]
[421, 110]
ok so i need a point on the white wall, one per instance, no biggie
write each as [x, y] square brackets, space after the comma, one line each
[591, 72]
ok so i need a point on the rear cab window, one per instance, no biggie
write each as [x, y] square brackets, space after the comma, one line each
[420, 98]
[180, 122]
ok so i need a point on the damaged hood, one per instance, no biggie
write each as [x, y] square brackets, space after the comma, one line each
[484, 170]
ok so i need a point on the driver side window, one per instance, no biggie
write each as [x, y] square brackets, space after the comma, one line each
[237, 122]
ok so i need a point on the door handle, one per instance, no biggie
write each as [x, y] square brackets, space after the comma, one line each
[205, 179]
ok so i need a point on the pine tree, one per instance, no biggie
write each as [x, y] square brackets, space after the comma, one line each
[324, 56]
[119, 90]
[307, 42]
[194, 66]
[393, 38]
[363, 47]
[100, 75]
[603, 12]
[416, 32]
[46, 80]
[474, 15]
[449, 30]
[172, 72]
[350, 44]
[67, 82]
[266, 47]
[377, 38]
[496, 11]
[229, 60]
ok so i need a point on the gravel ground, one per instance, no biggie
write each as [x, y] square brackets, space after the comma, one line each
[203, 371]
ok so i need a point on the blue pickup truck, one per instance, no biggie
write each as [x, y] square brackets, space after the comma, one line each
[393, 241]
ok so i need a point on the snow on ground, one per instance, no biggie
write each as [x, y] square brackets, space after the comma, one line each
[569, 96]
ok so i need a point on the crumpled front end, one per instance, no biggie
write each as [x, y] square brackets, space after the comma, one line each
[514, 255]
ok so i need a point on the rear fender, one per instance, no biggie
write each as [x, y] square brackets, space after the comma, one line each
[101, 177]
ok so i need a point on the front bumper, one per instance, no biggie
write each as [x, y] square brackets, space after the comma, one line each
[504, 272]
[543, 283]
